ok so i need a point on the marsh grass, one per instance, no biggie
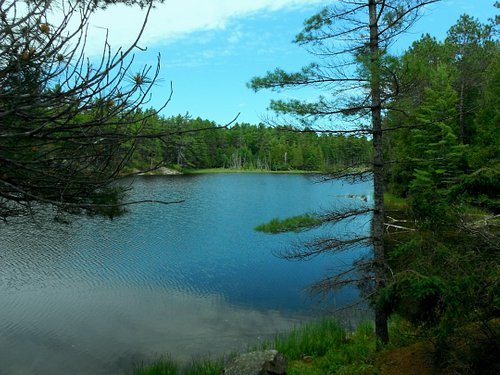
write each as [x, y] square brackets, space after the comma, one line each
[163, 366]
[205, 366]
[312, 339]
[325, 347]
[291, 224]
[199, 366]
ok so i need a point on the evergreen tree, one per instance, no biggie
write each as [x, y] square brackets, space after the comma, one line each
[68, 125]
[351, 37]
[471, 45]
[434, 150]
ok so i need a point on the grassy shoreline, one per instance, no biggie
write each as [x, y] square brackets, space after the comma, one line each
[314, 348]
[227, 170]
[325, 347]
[166, 171]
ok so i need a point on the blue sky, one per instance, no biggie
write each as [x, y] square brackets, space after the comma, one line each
[210, 49]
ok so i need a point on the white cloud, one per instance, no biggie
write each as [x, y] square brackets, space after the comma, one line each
[234, 37]
[175, 19]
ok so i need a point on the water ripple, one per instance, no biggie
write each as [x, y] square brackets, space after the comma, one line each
[86, 293]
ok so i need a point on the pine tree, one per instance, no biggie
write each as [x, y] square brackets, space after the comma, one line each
[356, 80]
[68, 125]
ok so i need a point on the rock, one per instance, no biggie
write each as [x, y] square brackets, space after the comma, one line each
[162, 171]
[267, 362]
[167, 171]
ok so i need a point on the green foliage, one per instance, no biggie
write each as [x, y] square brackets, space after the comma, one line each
[403, 332]
[201, 144]
[291, 224]
[205, 367]
[279, 78]
[449, 97]
[393, 202]
[314, 23]
[162, 366]
[435, 168]
[472, 349]
[415, 297]
[482, 187]
[324, 347]
[436, 155]
[404, 248]
[485, 145]
[103, 4]
[166, 366]
[67, 127]
[445, 276]
[473, 49]
[313, 339]
[446, 281]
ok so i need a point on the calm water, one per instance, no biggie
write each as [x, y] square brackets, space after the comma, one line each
[190, 279]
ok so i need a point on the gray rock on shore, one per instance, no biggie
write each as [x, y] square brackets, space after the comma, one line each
[266, 362]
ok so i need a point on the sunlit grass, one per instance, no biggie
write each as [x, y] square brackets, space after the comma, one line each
[290, 224]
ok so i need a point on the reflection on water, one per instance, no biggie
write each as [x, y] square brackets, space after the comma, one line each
[103, 332]
[189, 279]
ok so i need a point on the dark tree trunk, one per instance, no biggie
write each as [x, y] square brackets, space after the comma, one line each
[378, 172]
[461, 117]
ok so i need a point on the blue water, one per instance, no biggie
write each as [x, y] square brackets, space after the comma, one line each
[190, 278]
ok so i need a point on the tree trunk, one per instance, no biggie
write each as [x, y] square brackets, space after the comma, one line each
[461, 119]
[377, 228]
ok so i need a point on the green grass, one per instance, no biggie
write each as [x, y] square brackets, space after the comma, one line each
[316, 348]
[474, 212]
[205, 366]
[393, 202]
[312, 339]
[163, 366]
[402, 332]
[166, 366]
[291, 224]
[326, 348]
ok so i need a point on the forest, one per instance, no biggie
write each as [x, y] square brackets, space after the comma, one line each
[204, 144]
[444, 163]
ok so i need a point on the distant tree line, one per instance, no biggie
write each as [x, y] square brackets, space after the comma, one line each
[199, 143]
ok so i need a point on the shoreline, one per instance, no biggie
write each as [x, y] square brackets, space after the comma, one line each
[227, 170]
[165, 171]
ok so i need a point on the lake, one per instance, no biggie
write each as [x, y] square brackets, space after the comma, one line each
[191, 279]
